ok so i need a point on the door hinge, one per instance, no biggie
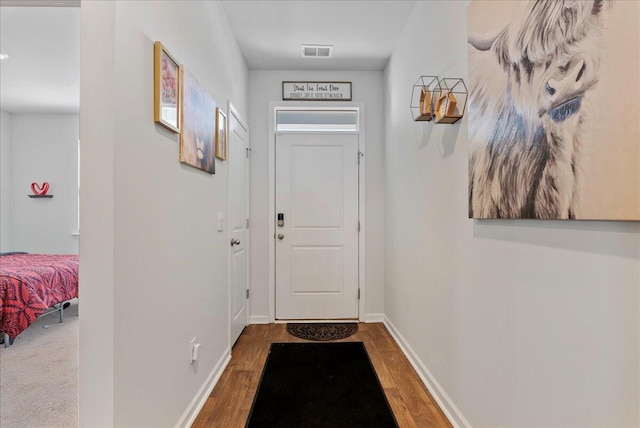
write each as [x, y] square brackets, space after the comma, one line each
[358, 225]
[247, 293]
[360, 155]
[247, 223]
[248, 150]
[358, 294]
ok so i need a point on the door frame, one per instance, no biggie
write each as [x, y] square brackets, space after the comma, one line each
[316, 105]
[231, 111]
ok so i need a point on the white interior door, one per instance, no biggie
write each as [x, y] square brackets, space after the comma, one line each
[238, 224]
[317, 243]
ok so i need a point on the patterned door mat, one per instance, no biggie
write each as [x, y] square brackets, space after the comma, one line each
[322, 331]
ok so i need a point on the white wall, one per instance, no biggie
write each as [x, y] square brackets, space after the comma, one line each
[153, 267]
[522, 323]
[5, 181]
[44, 147]
[266, 86]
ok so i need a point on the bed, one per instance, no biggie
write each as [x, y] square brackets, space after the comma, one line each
[32, 285]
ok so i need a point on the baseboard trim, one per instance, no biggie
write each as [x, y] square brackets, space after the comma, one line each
[258, 319]
[373, 318]
[450, 410]
[192, 411]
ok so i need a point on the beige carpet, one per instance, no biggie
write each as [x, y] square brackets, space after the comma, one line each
[39, 374]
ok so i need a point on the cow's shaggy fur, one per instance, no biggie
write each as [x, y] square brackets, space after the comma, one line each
[529, 93]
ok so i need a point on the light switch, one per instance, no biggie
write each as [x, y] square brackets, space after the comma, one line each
[194, 355]
[220, 222]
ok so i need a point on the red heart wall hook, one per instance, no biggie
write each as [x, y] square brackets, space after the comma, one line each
[40, 190]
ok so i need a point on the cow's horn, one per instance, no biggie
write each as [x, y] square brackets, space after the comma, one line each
[482, 42]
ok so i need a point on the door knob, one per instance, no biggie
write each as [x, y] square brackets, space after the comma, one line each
[235, 242]
[280, 236]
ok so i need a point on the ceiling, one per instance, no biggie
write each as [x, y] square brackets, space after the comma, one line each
[42, 73]
[363, 32]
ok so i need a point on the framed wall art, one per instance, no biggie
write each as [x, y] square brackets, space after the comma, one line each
[316, 91]
[553, 110]
[166, 88]
[221, 134]
[198, 136]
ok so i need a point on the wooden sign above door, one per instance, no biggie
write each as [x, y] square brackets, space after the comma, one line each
[316, 91]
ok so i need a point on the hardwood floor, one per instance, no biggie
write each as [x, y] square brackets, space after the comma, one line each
[229, 404]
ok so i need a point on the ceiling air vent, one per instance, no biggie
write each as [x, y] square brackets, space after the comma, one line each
[317, 51]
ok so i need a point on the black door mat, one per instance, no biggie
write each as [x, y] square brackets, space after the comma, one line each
[320, 385]
[322, 331]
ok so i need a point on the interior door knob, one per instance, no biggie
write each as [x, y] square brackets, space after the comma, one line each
[280, 236]
[235, 242]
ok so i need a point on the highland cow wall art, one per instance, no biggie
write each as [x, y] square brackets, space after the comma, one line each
[554, 109]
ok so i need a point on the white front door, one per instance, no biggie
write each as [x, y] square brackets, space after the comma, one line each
[317, 241]
[238, 224]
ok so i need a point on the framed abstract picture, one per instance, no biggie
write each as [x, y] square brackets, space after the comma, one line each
[198, 136]
[166, 88]
[221, 134]
[553, 109]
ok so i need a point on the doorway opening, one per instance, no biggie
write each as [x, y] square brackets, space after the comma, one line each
[39, 212]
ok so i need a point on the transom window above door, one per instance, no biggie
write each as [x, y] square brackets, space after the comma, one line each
[317, 119]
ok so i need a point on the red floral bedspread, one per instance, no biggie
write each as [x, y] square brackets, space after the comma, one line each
[32, 283]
